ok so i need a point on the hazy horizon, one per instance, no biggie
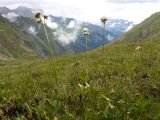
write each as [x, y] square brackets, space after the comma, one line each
[91, 11]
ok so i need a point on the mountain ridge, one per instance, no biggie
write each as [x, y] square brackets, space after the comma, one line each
[149, 29]
[64, 33]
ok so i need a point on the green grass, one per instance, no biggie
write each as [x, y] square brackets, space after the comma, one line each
[11, 41]
[126, 87]
[149, 29]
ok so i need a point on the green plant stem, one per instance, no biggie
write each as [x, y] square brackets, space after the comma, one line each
[51, 53]
[86, 61]
[103, 37]
[49, 45]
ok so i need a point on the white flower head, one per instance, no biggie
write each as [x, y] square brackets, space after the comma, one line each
[103, 19]
[128, 113]
[81, 86]
[107, 99]
[112, 90]
[45, 16]
[138, 48]
[38, 14]
[111, 106]
[85, 31]
[87, 85]
[121, 102]
[39, 20]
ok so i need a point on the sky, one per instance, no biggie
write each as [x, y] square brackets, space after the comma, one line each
[92, 10]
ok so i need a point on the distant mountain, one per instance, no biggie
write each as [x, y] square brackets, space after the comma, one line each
[64, 33]
[4, 10]
[119, 26]
[24, 11]
[149, 29]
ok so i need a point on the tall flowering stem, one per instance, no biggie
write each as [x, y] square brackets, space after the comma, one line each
[41, 19]
[103, 20]
[86, 35]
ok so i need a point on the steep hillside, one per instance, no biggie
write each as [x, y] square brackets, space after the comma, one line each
[125, 87]
[147, 30]
[11, 41]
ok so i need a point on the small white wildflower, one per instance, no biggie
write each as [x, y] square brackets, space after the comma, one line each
[138, 48]
[55, 118]
[108, 100]
[111, 106]
[85, 31]
[38, 20]
[38, 14]
[112, 90]
[103, 19]
[87, 85]
[81, 86]
[121, 101]
[45, 17]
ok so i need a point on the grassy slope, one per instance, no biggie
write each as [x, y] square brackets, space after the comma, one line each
[126, 87]
[11, 41]
[147, 30]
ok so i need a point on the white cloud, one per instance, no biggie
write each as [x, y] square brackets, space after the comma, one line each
[110, 38]
[132, 1]
[66, 37]
[11, 16]
[130, 27]
[92, 10]
[32, 30]
[113, 24]
[51, 24]
[71, 24]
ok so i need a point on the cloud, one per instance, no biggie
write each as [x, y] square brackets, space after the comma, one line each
[130, 27]
[51, 24]
[132, 1]
[92, 10]
[32, 30]
[71, 24]
[11, 16]
[69, 35]
[110, 38]
[74, 24]
[66, 37]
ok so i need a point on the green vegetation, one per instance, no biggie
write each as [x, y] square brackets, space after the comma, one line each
[126, 87]
[11, 41]
[147, 30]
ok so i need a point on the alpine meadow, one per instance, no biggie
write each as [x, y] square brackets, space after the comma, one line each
[57, 65]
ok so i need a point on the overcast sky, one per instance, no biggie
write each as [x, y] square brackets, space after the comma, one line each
[92, 10]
